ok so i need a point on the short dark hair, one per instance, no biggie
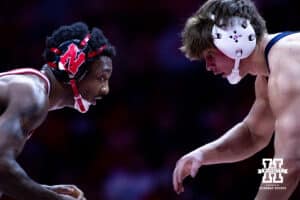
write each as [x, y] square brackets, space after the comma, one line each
[76, 31]
[196, 35]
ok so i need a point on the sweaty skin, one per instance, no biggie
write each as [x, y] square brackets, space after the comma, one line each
[275, 109]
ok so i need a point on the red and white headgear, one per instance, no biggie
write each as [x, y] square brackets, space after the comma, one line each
[70, 64]
[237, 40]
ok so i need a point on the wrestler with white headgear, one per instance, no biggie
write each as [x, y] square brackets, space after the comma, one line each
[231, 36]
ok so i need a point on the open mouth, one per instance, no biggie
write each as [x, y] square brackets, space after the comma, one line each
[94, 101]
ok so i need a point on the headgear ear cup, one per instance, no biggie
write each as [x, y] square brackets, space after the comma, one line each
[70, 62]
[237, 41]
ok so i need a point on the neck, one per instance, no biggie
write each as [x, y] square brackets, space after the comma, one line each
[256, 64]
[60, 94]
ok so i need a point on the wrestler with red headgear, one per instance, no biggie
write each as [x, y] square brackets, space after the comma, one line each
[76, 74]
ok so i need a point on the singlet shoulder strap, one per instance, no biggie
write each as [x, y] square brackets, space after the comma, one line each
[273, 41]
[29, 71]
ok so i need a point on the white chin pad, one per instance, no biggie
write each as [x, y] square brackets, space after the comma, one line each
[86, 105]
[234, 77]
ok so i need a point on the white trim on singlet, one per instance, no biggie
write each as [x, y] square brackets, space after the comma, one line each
[29, 71]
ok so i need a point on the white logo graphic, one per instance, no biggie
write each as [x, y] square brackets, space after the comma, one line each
[272, 170]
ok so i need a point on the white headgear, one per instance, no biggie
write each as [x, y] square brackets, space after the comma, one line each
[237, 40]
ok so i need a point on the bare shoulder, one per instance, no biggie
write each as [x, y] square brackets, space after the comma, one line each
[285, 56]
[25, 98]
[285, 65]
[284, 82]
[29, 89]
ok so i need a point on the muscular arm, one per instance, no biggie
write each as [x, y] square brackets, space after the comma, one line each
[248, 136]
[285, 95]
[240, 142]
[21, 114]
[286, 146]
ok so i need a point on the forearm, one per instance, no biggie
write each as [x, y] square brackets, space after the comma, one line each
[236, 144]
[15, 183]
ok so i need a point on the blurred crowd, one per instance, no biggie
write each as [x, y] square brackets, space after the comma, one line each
[160, 105]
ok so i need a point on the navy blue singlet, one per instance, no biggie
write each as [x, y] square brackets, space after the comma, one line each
[273, 41]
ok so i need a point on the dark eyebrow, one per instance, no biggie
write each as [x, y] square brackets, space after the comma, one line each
[106, 70]
[103, 71]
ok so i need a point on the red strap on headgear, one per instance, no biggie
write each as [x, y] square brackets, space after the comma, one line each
[55, 50]
[77, 96]
[52, 64]
[85, 40]
[97, 52]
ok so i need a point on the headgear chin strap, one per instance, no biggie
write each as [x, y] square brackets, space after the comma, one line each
[85, 105]
[80, 104]
[70, 58]
[237, 40]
